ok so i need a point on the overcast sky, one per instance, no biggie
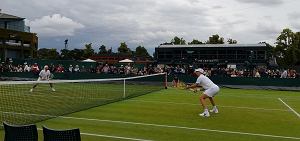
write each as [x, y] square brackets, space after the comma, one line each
[151, 22]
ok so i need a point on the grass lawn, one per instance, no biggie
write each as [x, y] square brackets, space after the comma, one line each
[172, 115]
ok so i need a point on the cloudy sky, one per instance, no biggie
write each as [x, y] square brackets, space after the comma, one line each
[151, 22]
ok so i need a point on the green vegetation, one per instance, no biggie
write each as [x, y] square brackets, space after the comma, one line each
[172, 114]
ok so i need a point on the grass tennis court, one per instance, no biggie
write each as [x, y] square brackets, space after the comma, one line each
[172, 114]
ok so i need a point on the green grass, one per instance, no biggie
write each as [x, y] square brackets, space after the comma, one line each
[172, 114]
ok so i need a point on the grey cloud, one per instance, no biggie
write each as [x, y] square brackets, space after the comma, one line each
[151, 22]
[263, 2]
[294, 19]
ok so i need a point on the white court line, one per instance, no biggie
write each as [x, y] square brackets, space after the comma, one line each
[109, 136]
[186, 128]
[164, 126]
[179, 103]
[297, 114]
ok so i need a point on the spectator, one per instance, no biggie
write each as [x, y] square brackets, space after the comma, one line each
[70, 68]
[284, 74]
[35, 68]
[76, 69]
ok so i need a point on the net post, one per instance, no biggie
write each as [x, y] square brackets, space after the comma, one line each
[124, 89]
[166, 80]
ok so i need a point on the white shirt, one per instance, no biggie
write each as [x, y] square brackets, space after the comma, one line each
[284, 74]
[44, 75]
[205, 82]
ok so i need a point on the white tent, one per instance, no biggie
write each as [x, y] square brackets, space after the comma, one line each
[126, 61]
[88, 60]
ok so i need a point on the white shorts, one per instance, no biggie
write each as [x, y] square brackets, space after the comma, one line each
[211, 92]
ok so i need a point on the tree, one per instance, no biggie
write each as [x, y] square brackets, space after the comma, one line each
[45, 53]
[195, 42]
[102, 49]
[65, 54]
[77, 54]
[123, 49]
[109, 51]
[178, 41]
[287, 49]
[88, 51]
[231, 41]
[141, 51]
[215, 39]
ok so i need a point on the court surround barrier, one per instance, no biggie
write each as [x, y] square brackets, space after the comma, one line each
[185, 78]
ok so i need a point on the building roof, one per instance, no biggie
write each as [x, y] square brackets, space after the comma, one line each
[213, 45]
[11, 17]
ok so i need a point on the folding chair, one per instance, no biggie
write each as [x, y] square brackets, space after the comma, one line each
[20, 132]
[61, 135]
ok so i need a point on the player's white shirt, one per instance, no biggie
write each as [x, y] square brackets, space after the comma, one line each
[44, 75]
[205, 82]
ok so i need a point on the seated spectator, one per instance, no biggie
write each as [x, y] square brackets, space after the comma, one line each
[76, 69]
[105, 69]
[35, 68]
[70, 68]
[257, 74]
[284, 74]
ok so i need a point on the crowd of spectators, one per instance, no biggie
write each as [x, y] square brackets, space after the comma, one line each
[129, 69]
[233, 72]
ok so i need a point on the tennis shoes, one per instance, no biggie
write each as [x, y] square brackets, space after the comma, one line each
[214, 110]
[207, 114]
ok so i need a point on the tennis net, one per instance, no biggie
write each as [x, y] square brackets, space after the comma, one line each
[21, 105]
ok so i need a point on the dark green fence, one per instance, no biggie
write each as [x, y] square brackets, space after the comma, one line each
[244, 81]
[184, 78]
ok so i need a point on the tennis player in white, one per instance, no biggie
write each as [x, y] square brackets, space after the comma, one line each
[44, 76]
[211, 89]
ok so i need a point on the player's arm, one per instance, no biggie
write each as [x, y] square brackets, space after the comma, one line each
[40, 75]
[49, 76]
[192, 86]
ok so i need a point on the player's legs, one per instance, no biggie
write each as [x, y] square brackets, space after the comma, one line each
[214, 109]
[202, 101]
[51, 86]
[211, 93]
[34, 85]
[31, 90]
[212, 101]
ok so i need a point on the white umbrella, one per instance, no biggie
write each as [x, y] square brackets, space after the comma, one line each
[88, 60]
[126, 61]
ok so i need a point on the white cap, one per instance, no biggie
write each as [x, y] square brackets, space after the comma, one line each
[199, 70]
[46, 66]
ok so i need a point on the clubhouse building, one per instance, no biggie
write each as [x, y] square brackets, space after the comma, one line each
[213, 54]
[16, 40]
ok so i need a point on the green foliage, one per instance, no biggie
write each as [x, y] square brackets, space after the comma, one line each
[45, 53]
[102, 49]
[195, 42]
[77, 54]
[65, 54]
[231, 41]
[123, 49]
[287, 50]
[88, 51]
[215, 39]
[178, 41]
[141, 51]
